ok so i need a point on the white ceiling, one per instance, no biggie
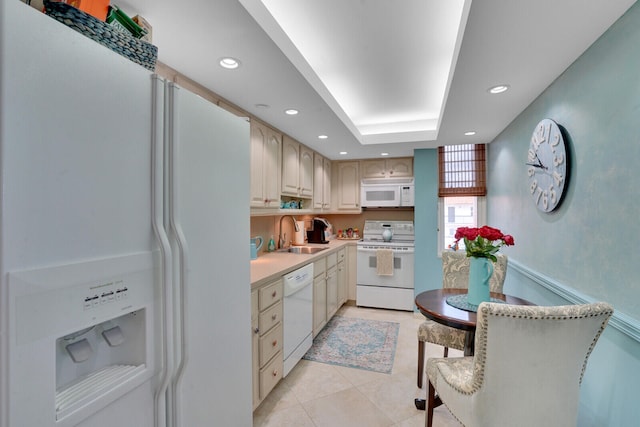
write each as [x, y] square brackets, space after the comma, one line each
[525, 44]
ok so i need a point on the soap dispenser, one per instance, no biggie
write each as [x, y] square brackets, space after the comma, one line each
[272, 245]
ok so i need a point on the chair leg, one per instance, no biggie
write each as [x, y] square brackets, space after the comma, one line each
[420, 362]
[431, 397]
[446, 352]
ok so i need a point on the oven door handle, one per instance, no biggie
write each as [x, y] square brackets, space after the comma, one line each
[396, 251]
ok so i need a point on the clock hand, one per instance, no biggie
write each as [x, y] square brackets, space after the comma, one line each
[535, 165]
[540, 165]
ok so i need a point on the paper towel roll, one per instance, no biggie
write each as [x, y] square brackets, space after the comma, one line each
[298, 236]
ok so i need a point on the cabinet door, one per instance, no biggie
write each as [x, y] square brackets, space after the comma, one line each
[319, 303]
[255, 362]
[306, 172]
[351, 260]
[332, 291]
[326, 186]
[342, 283]
[290, 166]
[258, 140]
[348, 185]
[271, 169]
[400, 167]
[373, 169]
[318, 181]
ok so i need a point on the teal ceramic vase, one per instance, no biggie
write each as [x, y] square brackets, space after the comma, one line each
[480, 272]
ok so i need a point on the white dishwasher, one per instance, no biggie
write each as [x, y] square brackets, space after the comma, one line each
[298, 315]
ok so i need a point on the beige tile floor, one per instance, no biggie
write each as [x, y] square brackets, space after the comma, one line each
[317, 395]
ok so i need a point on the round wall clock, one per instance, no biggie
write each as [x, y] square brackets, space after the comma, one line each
[547, 165]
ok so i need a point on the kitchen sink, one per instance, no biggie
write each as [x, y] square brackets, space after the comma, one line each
[302, 249]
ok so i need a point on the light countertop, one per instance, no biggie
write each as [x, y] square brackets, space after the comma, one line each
[271, 265]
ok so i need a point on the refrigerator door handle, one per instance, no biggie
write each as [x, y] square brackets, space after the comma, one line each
[157, 211]
[182, 248]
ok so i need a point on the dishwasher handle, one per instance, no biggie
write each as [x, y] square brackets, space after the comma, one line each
[298, 279]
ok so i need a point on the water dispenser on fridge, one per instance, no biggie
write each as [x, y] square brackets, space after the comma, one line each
[85, 337]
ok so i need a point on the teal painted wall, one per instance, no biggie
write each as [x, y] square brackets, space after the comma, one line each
[428, 267]
[588, 247]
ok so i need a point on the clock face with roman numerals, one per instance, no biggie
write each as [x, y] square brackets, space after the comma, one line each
[547, 165]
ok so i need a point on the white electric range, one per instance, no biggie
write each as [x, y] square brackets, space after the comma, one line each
[396, 290]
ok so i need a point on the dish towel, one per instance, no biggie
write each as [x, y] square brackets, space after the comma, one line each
[384, 262]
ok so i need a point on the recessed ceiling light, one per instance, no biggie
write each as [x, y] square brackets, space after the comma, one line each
[263, 106]
[498, 89]
[470, 133]
[384, 154]
[342, 153]
[291, 111]
[322, 137]
[229, 63]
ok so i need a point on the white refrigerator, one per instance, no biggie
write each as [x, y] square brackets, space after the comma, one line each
[124, 268]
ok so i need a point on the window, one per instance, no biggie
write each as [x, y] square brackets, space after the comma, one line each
[461, 190]
[462, 170]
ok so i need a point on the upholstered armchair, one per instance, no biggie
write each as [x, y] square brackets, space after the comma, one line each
[514, 378]
[455, 274]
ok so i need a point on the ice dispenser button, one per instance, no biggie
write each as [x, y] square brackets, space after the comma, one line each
[113, 336]
[79, 350]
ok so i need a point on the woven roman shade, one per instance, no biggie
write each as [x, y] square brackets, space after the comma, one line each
[462, 170]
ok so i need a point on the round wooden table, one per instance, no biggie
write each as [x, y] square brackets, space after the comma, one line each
[433, 305]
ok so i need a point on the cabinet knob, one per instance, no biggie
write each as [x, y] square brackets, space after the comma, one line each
[256, 330]
[390, 172]
[274, 316]
[275, 373]
[274, 343]
[273, 295]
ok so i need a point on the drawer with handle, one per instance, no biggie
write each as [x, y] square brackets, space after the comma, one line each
[270, 294]
[269, 318]
[270, 344]
[270, 375]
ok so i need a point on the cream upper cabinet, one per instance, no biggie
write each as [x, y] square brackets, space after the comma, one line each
[326, 185]
[306, 172]
[321, 182]
[290, 166]
[266, 146]
[347, 185]
[297, 169]
[387, 168]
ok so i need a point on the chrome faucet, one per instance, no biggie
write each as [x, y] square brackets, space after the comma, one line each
[282, 238]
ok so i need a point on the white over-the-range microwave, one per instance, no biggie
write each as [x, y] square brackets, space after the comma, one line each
[386, 192]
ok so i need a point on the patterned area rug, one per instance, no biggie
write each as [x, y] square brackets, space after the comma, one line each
[356, 343]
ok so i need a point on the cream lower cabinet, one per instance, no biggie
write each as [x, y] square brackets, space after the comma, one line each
[352, 270]
[332, 284]
[342, 277]
[319, 295]
[266, 323]
[328, 295]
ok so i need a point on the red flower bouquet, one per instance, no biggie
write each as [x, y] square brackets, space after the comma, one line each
[483, 242]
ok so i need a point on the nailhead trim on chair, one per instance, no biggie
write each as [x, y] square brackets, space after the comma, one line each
[566, 312]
